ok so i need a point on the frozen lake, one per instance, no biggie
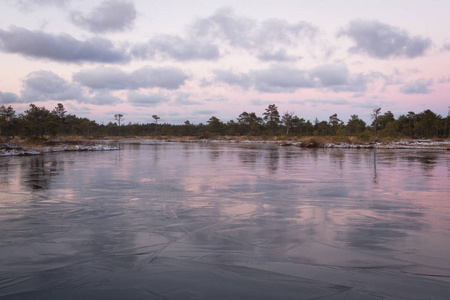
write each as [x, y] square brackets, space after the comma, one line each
[226, 221]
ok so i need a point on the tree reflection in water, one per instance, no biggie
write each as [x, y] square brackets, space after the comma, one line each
[176, 219]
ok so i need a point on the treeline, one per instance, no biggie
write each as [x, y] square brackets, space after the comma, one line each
[39, 123]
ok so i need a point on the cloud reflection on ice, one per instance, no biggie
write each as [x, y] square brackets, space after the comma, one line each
[305, 220]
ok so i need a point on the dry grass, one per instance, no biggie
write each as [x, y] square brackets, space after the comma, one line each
[307, 142]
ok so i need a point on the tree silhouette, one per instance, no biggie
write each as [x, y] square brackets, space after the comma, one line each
[355, 125]
[156, 118]
[272, 118]
[375, 113]
[118, 118]
[288, 121]
[7, 121]
[38, 122]
[215, 126]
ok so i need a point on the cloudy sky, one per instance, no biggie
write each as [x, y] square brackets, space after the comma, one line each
[190, 60]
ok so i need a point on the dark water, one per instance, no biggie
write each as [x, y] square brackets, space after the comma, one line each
[222, 221]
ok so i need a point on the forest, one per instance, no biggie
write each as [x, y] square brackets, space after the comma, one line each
[40, 123]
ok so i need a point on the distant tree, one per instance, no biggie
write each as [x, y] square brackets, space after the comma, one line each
[156, 118]
[288, 121]
[355, 126]
[232, 128]
[59, 113]
[406, 124]
[8, 121]
[272, 118]
[188, 129]
[333, 123]
[38, 122]
[390, 130]
[375, 113]
[427, 124]
[215, 126]
[323, 128]
[249, 124]
[118, 118]
[88, 128]
[341, 133]
[384, 119]
[298, 124]
[308, 128]
[244, 123]
[446, 131]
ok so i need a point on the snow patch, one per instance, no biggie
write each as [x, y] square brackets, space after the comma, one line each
[14, 150]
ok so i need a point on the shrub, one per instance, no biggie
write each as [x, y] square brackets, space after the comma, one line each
[365, 136]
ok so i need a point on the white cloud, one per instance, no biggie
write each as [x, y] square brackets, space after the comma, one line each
[446, 46]
[279, 55]
[171, 46]
[113, 78]
[109, 16]
[146, 100]
[185, 99]
[420, 86]
[288, 79]
[8, 98]
[46, 85]
[228, 77]
[226, 26]
[63, 47]
[383, 41]
[102, 98]
[331, 75]
[275, 32]
[208, 39]
[28, 5]
[315, 102]
[281, 79]
[244, 32]
[444, 79]
[205, 112]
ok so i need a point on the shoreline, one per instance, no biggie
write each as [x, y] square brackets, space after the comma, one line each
[27, 149]
[24, 148]
[302, 143]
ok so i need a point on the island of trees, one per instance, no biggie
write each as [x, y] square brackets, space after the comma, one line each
[40, 123]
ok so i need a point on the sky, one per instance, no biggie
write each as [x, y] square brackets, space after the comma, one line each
[190, 60]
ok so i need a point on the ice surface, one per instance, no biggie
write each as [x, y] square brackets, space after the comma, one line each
[221, 221]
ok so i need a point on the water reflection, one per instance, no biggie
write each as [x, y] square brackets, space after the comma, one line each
[249, 156]
[37, 171]
[272, 159]
[5, 177]
[187, 149]
[428, 161]
[338, 157]
[111, 219]
[375, 166]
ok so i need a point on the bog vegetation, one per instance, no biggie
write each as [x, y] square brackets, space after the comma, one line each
[40, 123]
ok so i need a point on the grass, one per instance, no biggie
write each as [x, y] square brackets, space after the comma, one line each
[308, 142]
